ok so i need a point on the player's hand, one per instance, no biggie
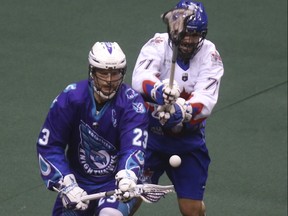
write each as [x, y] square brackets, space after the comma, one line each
[163, 94]
[71, 194]
[124, 196]
[126, 181]
[175, 114]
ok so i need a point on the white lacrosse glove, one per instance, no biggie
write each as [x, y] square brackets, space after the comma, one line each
[71, 193]
[126, 180]
[124, 196]
[163, 94]
[175, 114]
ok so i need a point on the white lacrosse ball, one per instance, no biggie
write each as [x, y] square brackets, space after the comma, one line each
[175, 161]
[126, 184]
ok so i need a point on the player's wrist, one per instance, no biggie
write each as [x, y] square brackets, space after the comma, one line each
[186, 108]
[156, 93]
[164, 94]
[149, 91]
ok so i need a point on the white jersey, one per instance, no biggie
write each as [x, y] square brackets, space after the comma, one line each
[198, 81]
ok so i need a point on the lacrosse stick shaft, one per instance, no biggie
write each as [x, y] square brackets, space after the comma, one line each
[172, 69]
[98, 195]
[140, 190]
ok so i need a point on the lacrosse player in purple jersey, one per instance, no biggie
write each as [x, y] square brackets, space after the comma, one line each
[178, 112]
[95, 132]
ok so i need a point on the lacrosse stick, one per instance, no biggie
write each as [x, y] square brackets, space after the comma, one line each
[149, 193]
[175, 20]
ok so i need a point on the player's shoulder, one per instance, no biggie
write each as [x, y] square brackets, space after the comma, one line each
[76, 92]
[128, 94]
[127, 97]
[156, 45]
[159, 39]
[76, 89]
[209, 48]
[208, 45]
[209, 52]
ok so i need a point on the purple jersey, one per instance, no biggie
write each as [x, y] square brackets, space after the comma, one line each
[91, 144]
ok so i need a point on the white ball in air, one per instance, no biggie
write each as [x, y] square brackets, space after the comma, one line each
[175, 161]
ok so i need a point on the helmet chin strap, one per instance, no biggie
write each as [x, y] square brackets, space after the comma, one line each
[189, 55]
[100, 93]
[97, 90]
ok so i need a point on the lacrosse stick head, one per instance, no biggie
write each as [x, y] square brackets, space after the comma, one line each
[152, 197]
[151, 193]
[175, 20]
[187, 26]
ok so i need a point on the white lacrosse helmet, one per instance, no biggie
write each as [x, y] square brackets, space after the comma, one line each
[106, 56]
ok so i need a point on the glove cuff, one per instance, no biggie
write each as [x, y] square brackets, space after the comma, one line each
[156, 93]
[186, 109]
[125, 173]
[67, 184]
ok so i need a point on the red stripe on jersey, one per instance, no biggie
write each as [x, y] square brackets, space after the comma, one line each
[147, 86]
[197, 108]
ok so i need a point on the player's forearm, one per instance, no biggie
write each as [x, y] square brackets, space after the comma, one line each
[52, 163]
[132, 160]
[202, 108]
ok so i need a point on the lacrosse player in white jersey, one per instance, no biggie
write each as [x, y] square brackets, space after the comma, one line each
[179, 73]
[94, 139]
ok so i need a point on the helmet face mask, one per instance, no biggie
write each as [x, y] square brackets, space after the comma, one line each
[189, 46]
[107, 68]
[106, 81]
[196, 24]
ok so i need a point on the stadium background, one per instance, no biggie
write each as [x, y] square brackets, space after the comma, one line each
[44, 47]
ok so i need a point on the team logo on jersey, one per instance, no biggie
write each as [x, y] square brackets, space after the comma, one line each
[139, 107]
[157, 40]
[130, 93]
[185, 77]
[96, 155]
[216, 58]
[114, 119]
